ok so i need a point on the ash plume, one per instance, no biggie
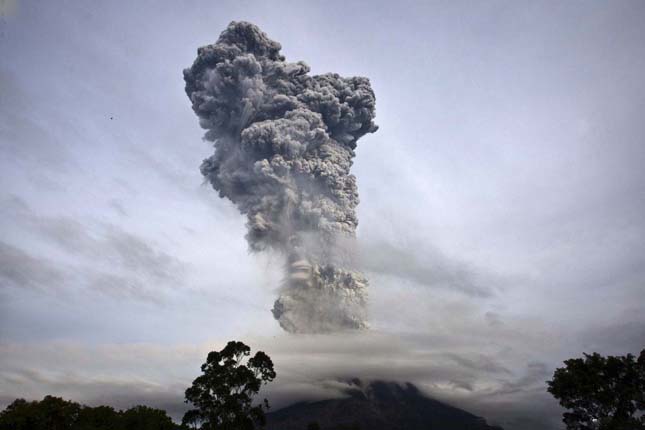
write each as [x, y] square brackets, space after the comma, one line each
[284, 143]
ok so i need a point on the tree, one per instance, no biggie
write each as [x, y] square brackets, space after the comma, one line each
[51, 413]
[223, 394]
[603, 393]
[191, 419]
[98, 418]
[146, 418]
[19, 415]
[54, 413]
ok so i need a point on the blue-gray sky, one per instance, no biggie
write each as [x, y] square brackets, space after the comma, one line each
[502, 200]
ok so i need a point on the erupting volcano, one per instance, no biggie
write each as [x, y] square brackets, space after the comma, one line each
[284, 143]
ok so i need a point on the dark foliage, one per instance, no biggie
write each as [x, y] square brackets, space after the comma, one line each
[54, 413]
[145, 418]
[603, 393]
[223, 395]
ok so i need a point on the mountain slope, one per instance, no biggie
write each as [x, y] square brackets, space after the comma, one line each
[377, 406]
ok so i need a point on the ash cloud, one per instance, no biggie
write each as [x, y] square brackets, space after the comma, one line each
[284, 143]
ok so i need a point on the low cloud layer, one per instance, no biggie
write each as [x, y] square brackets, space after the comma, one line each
[476, 377]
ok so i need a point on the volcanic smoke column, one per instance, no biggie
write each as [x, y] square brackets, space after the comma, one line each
[284, 143]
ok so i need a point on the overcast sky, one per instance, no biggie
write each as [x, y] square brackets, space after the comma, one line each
[502, 215]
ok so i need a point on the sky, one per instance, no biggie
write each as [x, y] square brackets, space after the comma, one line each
[501, 219]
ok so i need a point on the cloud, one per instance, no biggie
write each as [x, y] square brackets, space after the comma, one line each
[465, 373]
[8, 8]
[121, 375]
[493, 318]
[122, 287]
[479, 362]
[117, 392]
[23, 136]
[117, 206]
[309, 367]
[427, 266]
[621, 337]
[103, 257]
[284, 145]
[536, 373]
[19, 269]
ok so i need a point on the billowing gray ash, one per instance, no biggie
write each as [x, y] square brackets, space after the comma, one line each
[284, 143]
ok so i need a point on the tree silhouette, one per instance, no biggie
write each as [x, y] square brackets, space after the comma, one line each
[54, 413]
[146, 418]
[604, 393]
[223, 394]
[98, 418]
[191, 419]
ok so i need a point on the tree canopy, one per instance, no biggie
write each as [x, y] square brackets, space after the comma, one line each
[603, 393]
[223, 394]
[54, 413]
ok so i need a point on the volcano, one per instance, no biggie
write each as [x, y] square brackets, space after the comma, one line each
[378, 405]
